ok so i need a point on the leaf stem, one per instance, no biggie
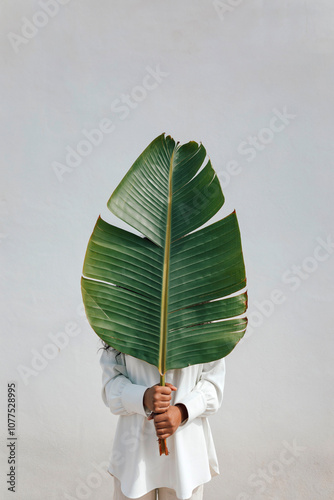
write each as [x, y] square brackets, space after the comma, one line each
[162, 442]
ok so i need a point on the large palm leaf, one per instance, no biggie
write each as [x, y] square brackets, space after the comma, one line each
[162, 297]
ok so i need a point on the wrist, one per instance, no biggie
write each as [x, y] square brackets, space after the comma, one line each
[145, 400]
[183, 411]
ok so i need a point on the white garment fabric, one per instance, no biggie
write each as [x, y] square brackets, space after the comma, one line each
[135, 458]
[163, 493]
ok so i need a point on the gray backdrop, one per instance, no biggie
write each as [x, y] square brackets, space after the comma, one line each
[85, 87]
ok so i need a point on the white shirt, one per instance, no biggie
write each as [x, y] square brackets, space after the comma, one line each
[135, 458]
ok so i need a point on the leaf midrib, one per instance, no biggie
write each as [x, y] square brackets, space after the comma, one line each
[165, 277]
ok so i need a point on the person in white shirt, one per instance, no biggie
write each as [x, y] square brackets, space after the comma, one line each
[147, 411]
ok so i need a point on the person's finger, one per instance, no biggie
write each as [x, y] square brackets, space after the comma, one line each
[165, 397]
[162, 430]
[160, 408]
[164, 389]
[165, 403]
[171, 386]
[164, 435]
[160, 418]
[161, 401]
[162, 397]
[161, 404]
[161, 423]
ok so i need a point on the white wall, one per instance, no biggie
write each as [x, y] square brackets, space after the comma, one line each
[228, 74]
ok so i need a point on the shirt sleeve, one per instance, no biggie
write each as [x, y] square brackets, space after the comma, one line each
[206, 397]
[118, 392]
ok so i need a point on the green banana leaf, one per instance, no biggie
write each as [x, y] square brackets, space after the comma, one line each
[162, 297]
